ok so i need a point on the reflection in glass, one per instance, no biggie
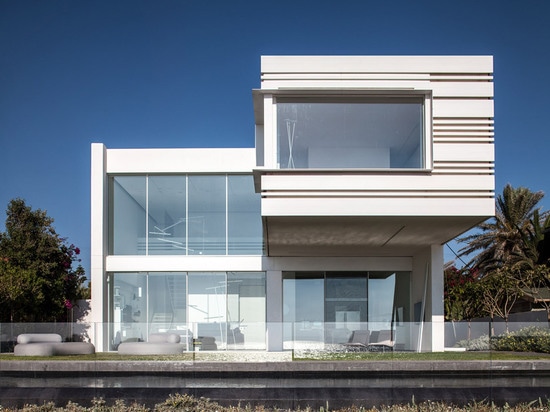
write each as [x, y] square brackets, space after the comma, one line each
[129, 308]
[228, 309]
[334, 304]
[167, 299]
[244, 217]
[128, 215]
[350, 133]
[345, 303]
[246, 310]
[303, 306]
[207, 215]
[167, 215]
[207, 305]
[160, 215]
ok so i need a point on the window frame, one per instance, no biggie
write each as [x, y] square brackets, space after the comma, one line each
[385, 96]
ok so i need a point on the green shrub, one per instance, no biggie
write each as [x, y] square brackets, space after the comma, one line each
[187, 403]
[529, 339]
[481, 343]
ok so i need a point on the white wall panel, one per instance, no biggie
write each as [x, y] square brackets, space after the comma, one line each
[463, 108]
[448, 152]
[377, 182]
[382, 206]
[390, 64]
[180, 160]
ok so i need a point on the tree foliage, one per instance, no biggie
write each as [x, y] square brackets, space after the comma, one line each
[512, 260]
[462, 294]
[38, 282]
[515, 234]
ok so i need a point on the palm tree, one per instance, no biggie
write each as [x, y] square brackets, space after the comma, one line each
[510, 237]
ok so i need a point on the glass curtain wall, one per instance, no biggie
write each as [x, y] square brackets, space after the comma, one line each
[227, 308]
[361, 132]
[244, 223]
[167, 223]
[326, 307]
[129, 215]
[185, 215]
[207, 224]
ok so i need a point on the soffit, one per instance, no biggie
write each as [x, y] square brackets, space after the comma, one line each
[360, 236]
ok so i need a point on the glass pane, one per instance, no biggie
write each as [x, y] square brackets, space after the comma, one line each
[244, 217]
[345, 305]
[347, 133]
[207, 215]
[207, 307]
[129, 206]
[246, 310]
[167, 220]
[381, 299]
[129, 308]
[167, 302]
[303, 306]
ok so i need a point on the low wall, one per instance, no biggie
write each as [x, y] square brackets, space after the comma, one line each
[276, 384]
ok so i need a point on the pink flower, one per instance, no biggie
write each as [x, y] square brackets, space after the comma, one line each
[68, 304]
[77, 250]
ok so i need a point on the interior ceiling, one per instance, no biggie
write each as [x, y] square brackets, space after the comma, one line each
[360, 236]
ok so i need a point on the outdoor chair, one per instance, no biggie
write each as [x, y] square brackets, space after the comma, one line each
[358, 341]
[381, 341]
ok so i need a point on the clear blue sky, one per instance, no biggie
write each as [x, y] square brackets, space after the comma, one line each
[180, 73]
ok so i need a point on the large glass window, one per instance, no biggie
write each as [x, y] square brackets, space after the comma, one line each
[346, 300]
[303, 303]
[129, 215]
[328, 306]
[362, 132]
[246, 310]
[207, 225]
[185, 215]
[167, 215]
[223, 310]
[244, 222]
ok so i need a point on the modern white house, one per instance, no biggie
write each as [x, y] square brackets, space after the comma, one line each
[364, 167]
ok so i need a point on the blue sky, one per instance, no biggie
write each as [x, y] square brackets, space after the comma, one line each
[180, 73]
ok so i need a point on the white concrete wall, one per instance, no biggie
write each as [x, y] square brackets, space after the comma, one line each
[98, 244]
[458, 178]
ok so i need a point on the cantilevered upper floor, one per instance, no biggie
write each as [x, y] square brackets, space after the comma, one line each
[372, 155]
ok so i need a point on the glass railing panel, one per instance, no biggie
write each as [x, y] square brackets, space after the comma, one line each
[302, 336]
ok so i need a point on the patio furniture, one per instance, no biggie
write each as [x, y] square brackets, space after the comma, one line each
[49, 344]
[158, 344]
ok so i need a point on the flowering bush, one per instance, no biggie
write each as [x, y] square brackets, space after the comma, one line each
[529, 339]
[40, 273]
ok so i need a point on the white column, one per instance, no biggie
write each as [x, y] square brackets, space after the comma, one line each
[98, 244]
[270, 132]
[436, 298]
[274, 307]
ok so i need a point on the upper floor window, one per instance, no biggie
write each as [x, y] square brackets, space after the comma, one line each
[185, 215]
[351, 132]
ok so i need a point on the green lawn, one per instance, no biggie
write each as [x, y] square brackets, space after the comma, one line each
[426, 356]
[313, 356]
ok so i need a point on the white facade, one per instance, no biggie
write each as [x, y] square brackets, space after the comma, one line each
[366, 166]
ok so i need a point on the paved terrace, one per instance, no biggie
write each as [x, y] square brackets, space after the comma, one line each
[275, 381]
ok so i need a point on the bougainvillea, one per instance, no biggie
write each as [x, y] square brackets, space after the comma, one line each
[40, 273]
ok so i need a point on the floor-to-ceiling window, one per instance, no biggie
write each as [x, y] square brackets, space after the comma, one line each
[167, 222]
[303, 302]
[228, 307]
[326, 307]
[185, 215]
